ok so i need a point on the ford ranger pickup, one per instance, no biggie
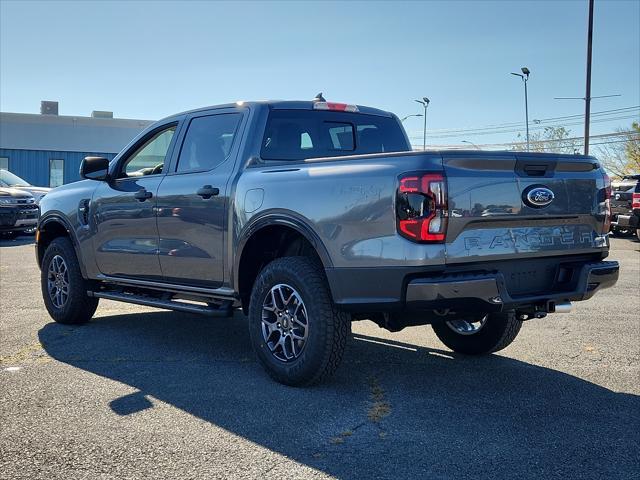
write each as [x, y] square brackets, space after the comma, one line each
[308, 215]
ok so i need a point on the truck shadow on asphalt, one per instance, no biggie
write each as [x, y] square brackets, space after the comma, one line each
[393, 410]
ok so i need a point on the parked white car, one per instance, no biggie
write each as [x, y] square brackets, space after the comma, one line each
[10, 180]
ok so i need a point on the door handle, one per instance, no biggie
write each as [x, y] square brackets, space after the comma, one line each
[208, 191]
[142, 195]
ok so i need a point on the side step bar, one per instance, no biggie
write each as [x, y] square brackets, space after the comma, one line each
[225, 311]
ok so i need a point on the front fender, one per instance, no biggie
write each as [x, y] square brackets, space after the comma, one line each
[55, 217]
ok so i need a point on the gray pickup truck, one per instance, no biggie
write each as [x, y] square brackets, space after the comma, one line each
[311, 214]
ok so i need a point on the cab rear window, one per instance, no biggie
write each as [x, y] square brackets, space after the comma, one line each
[301, 134]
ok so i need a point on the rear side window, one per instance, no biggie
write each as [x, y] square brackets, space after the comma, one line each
[208, 142]
[300, 134]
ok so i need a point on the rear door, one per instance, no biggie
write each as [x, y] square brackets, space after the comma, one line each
[509, 206]
[193, 198]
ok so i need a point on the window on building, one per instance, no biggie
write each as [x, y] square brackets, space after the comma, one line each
[4, 163]
[56, 172]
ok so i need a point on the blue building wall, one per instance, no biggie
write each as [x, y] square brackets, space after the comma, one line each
[33, 165]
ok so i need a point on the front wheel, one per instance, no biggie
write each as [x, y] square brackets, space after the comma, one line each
[296, 330]
[63, 289]
[479, 334]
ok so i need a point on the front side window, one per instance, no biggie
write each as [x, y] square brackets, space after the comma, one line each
[56, 172]
[208, 142]
[150, 158]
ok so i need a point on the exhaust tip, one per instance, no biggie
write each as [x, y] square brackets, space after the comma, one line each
[562, 307]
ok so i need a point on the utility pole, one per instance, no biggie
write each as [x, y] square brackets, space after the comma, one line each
[587, 96]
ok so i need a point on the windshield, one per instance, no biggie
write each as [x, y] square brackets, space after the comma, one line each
[8, 179]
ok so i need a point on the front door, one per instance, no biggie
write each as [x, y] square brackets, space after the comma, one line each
[192, 200]
[126, 236]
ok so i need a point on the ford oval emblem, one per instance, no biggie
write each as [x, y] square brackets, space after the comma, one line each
[538, 196]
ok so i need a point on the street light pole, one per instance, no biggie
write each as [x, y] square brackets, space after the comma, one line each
[409, 116]
[525, 78]
[526, 108]
[425, 103]
[471, 143]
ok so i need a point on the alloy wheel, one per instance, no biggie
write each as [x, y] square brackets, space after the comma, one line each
[285, 324]
[58, 281]
[467, 327]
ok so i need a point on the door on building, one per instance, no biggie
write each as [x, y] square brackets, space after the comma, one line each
[193, 197]
[124, 208]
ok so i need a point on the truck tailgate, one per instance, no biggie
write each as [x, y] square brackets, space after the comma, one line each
[491, 216]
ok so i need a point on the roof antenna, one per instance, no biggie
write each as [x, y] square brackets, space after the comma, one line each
[319, 98]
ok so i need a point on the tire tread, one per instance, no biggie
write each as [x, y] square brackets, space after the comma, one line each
[80, 307]
[337, 323]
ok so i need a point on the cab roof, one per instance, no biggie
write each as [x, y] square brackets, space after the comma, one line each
[279, 105]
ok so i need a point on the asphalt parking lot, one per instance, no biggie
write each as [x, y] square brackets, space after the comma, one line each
[142, 393]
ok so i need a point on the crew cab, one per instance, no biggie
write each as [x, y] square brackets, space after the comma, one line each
[308, 215]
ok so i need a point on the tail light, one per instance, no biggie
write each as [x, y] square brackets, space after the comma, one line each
[421, 207]
[605, 206]
[635, 200]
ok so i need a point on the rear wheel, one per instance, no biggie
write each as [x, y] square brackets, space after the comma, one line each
[296, 330]
[479, 334]
[63, 289]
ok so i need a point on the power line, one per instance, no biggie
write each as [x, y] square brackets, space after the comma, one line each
[517, 130]
[537, 123]
[632, 135]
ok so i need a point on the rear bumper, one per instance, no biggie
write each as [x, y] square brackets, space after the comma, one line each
[491, 290]
[393, 289]
[626, 221]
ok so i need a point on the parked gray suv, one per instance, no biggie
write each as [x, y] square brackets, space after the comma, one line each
[311, 214]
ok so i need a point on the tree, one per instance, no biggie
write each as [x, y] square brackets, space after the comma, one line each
[551, 139]
[623, 157]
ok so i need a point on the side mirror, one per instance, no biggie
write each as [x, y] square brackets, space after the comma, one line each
[94, 168]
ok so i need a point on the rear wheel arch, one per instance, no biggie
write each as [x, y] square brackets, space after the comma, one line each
[272, 238]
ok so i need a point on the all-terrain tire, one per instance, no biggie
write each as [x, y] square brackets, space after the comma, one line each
[499, 330]
[77, 307]
[328, 327]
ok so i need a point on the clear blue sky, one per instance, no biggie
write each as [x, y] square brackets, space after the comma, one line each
[150, 59]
